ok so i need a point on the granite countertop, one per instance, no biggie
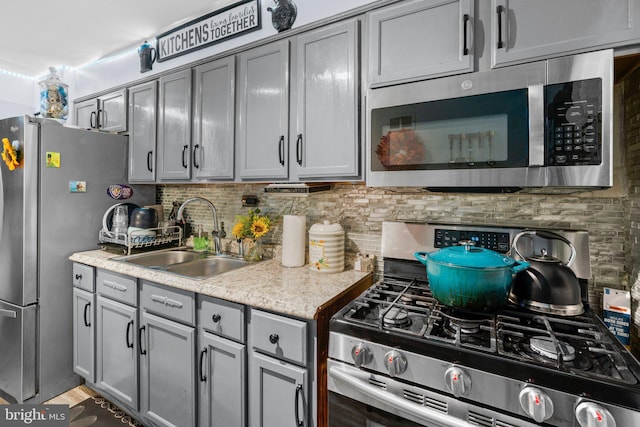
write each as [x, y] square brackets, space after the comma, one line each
[298, 291]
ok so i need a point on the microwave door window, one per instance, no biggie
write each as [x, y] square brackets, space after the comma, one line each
[484, 131]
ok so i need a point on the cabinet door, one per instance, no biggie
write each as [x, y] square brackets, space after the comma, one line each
[168, 374]
[112, 112]
[278, 393]
[420, 39]
[83, 334]
[214, 119]
[325, 113]
[142, 132]
[86, 113]
[263, 111]
[117, 350]
[524, 30]
[174, 126]
[222, 378]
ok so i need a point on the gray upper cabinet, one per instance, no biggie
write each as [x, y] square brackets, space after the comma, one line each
[143, 107]
[420, 39]
[174, 127]
[263, 112]
[107, 112]
[214, 120]
[524, 30]
[324, 115]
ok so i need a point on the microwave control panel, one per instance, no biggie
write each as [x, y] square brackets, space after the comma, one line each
[573, 125]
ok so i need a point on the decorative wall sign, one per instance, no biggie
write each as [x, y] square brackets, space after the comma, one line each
[231, 21]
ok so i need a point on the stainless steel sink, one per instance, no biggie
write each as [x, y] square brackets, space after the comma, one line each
[161, 259]
[207, 267]
[196, 265]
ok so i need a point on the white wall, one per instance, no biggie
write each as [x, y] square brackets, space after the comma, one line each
[18, 96]
[101, 76]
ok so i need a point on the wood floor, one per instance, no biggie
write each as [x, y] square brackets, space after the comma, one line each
[71, 397]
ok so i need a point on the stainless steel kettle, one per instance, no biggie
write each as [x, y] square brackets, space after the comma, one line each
[549, 285]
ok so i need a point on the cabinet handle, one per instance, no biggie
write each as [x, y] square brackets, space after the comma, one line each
[78, 276]
[215, 318]
[87, 323]
[149, 157]
[203, 377]
[274, 338]
[299, 394]
[142, 351]
[195, 157]
[299, 149]
[465, 28]
[500, 12]
[92, 118]
[129, 326]
[184, 157]
[9, 313]
[98, 121]
[115, 286]
[281, 150]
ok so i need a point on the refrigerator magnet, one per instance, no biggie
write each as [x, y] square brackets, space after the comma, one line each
[53, 159]
[77, 186]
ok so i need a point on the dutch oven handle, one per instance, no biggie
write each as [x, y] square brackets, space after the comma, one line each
[546, 235]
[519, 266]
[421, 256]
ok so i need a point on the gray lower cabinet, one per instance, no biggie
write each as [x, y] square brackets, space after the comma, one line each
[84, 308]
[222, 371]
[279, 389]
[167, 356]
[524, 30]
[116, 339]
[174, 127]
[143, 113]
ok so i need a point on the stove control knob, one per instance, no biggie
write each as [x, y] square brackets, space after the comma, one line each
[536, 404]
[360, 355]
[591, 414]
[395, 362]
[457, 381]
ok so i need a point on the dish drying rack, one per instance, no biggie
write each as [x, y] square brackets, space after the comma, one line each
[137, 239]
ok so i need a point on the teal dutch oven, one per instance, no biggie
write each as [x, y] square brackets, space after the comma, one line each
[470, 278]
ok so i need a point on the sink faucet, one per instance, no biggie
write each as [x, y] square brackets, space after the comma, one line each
[216, 231]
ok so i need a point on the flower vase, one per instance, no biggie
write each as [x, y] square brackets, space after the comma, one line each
[252, 249]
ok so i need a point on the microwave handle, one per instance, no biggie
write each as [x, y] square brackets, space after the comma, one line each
[536, 125]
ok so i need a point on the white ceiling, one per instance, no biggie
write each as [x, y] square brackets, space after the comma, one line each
[40, 34]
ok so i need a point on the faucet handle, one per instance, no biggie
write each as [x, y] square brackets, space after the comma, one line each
[222, 233]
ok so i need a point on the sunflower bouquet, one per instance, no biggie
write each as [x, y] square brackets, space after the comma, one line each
[249, 229]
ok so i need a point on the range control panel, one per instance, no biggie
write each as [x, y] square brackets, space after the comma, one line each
[494, 240]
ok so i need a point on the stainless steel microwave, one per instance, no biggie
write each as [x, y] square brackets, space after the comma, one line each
[545, 123]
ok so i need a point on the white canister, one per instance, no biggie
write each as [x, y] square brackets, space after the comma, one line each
[326, 248]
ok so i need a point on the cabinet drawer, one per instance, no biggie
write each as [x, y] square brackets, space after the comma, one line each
[118, 287]
[279, 336]
[83, 277]
[222, 318]
[172, 303]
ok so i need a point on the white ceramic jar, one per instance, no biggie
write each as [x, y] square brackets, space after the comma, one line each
[326, 248]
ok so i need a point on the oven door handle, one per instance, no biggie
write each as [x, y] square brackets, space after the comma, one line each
[399, 404]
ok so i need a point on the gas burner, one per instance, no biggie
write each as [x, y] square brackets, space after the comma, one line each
[546, 347]
[396, 318]
[466, 327]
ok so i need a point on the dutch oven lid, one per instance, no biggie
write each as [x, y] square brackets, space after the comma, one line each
[467, 255]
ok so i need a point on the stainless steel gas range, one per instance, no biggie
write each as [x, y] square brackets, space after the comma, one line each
[397, 357]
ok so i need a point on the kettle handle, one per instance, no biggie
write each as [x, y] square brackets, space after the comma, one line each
[421, 256]
[547, 235]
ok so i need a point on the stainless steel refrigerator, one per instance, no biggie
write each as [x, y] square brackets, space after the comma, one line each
[50, 207]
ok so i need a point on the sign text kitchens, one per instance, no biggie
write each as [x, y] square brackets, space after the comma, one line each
[213, 28]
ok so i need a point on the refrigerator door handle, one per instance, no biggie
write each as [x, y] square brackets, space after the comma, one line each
[8, 313]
